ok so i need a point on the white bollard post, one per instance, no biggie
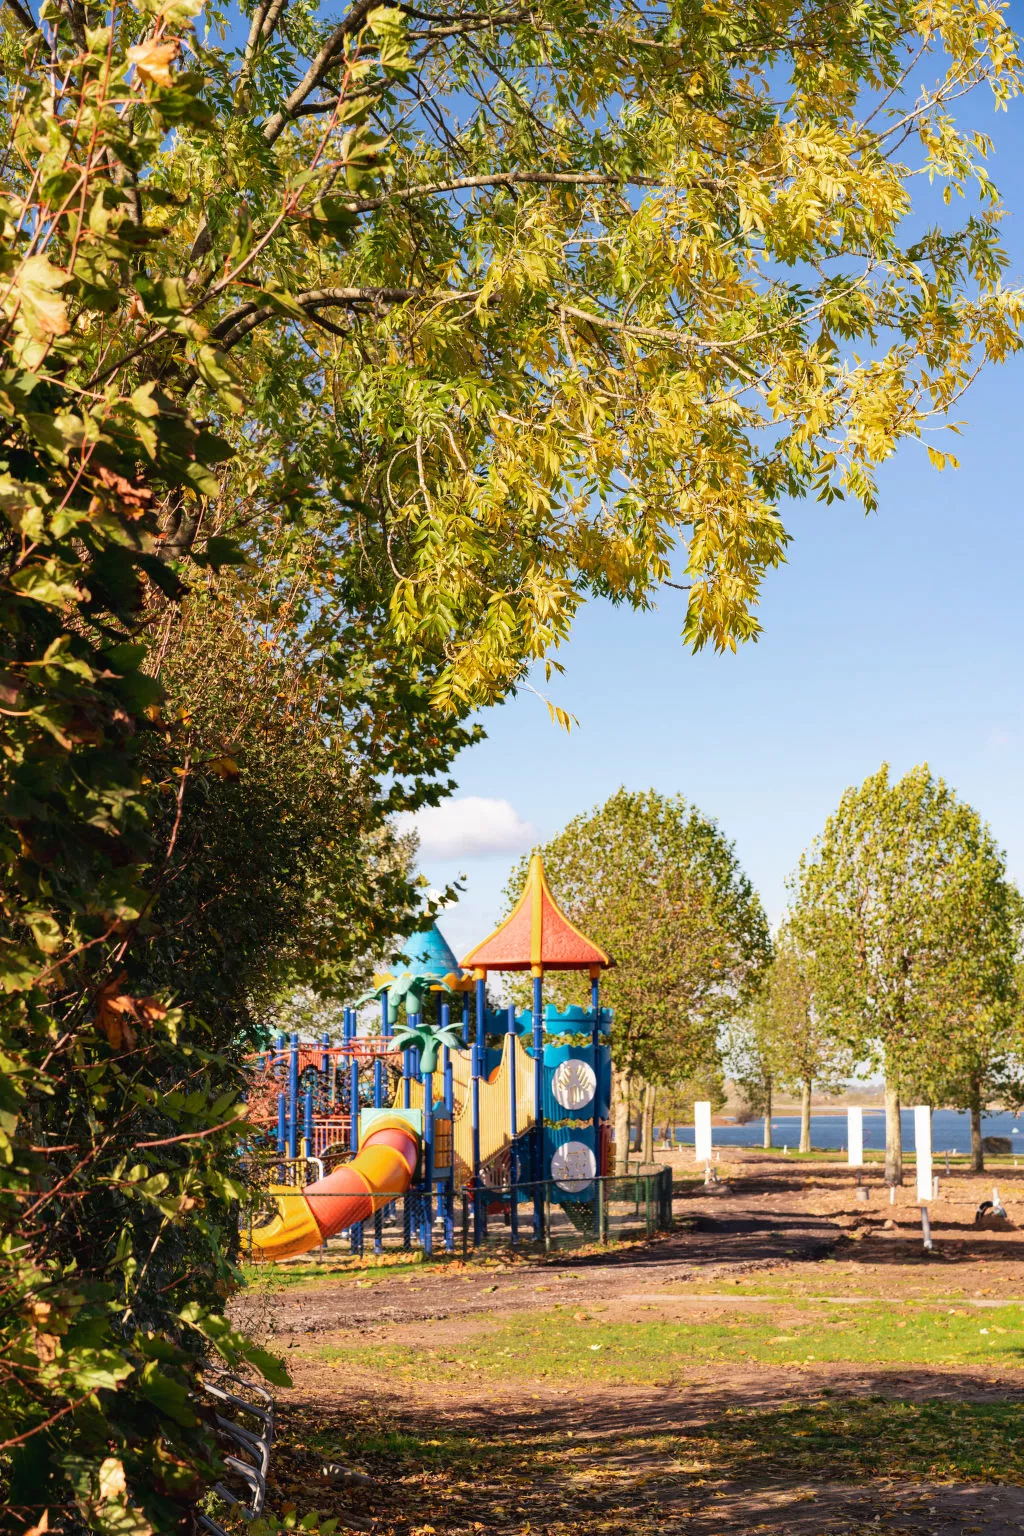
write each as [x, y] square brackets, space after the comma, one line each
[923, 1145]
[855, 1137]
[702, 1132]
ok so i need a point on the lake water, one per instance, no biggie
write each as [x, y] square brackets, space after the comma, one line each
[951, 1131]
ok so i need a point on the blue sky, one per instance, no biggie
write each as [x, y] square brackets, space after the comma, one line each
[896, 636]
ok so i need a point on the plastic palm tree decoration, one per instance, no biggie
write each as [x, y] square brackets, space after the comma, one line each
[405, 991]
[428, 1040]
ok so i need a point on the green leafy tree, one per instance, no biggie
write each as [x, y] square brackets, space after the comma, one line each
[978, 996]
[750, 1056]
[910, 931]
[803, 1045]
[173, 796]
[657, 885]
[524, 300]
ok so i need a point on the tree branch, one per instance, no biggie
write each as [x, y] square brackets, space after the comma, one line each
[274, 125]
[504, 179]
[232, 328]
[23, 15]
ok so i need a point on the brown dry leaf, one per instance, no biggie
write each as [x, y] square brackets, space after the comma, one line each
[134, 499]
[153, 61]
[10, 692]
[120, 1015]
[45, 1345]
[115, 1013]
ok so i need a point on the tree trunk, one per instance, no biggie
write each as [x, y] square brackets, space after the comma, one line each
[621, 1121]
[893, 1135]
[977, 1150]
[805, 1116]
[647, 1123]
[768, 1116]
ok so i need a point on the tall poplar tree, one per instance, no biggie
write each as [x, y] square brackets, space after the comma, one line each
[911, 930]
[805, 1047]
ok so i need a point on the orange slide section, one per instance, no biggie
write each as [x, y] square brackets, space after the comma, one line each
[383, 1168]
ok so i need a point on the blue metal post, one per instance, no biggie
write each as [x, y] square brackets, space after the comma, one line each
[428, 1162]
[538, 1104]
[448, 1193]
[279, 1056]
[325, 1060]
[356, 1231]
[307, 1129]
[513, 1126]
[353, 1102]
[282, 1124]
[595, 1041]
[378, 1073]
[293, 1097]
[474, 1109]
[406, 1079]
[465, 1018]
[595, 1046]
[481, 1009]
[476, 1066]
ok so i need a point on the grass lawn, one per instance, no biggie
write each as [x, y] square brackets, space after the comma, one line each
[568, 1345]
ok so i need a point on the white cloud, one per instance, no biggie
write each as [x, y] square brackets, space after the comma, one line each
[469, 828]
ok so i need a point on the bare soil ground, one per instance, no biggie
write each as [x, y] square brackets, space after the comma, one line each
[810, 1448]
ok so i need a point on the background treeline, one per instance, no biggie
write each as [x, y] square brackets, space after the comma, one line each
[899, 954]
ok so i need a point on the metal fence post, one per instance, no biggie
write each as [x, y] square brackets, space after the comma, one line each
[465, 1226]
[546, 1197]
[602, 1219]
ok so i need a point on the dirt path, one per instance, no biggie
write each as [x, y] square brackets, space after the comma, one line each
[810, 1449]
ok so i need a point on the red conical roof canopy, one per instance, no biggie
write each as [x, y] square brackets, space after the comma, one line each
[537, 936]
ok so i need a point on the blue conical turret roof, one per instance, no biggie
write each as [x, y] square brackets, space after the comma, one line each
[426, 953]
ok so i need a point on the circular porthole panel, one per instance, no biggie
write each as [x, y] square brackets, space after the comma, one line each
[573, 1166]
[573, 1084]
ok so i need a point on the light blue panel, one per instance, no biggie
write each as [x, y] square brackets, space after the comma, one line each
[412, 1117]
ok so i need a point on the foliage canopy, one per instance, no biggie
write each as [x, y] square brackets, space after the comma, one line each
[657, 885]
[911, 932]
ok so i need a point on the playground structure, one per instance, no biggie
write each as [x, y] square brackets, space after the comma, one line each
[395, 1134]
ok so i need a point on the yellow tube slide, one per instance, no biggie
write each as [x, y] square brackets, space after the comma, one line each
[383, 1168]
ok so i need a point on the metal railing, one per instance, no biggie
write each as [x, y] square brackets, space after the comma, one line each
[245, 1445]
[557, 1214]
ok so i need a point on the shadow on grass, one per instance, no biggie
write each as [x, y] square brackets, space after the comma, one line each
[716, 1467]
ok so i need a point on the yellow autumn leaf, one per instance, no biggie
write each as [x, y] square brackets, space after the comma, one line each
[112, 1483]
[153, 61]
[34, 294]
